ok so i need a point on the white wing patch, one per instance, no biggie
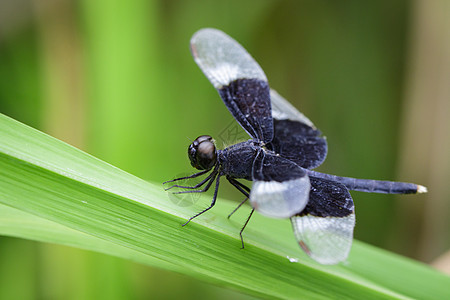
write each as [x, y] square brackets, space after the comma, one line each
[283, 110]
[222, 59]
[280, 199]
[327, 240]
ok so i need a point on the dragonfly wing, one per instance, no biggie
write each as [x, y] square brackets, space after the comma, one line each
[324, 229]
[238, 78]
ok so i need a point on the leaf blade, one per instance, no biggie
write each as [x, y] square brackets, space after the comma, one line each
[54, 181]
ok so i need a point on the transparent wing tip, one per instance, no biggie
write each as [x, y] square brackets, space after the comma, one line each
[222, 59]
[206, 32]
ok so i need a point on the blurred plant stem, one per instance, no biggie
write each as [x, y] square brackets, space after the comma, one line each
[425, 144]
[442, 263]
[62, 75]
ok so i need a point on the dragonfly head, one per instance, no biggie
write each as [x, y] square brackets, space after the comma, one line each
[202, 153]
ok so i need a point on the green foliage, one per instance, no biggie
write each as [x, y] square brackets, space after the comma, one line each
[115, 79]
[75, 199]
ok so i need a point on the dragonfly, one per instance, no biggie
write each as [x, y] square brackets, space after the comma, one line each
[279, 158]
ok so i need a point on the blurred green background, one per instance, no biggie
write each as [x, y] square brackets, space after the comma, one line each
[116, 79]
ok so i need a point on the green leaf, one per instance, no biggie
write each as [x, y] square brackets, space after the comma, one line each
[55, 193]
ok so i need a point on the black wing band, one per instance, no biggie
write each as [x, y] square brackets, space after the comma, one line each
[295, 136]
[248, 100]
[328, 199]
[299, 143]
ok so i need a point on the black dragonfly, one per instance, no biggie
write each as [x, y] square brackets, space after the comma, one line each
[279, 159]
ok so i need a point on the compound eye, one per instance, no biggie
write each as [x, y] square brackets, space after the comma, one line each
[202, 153]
